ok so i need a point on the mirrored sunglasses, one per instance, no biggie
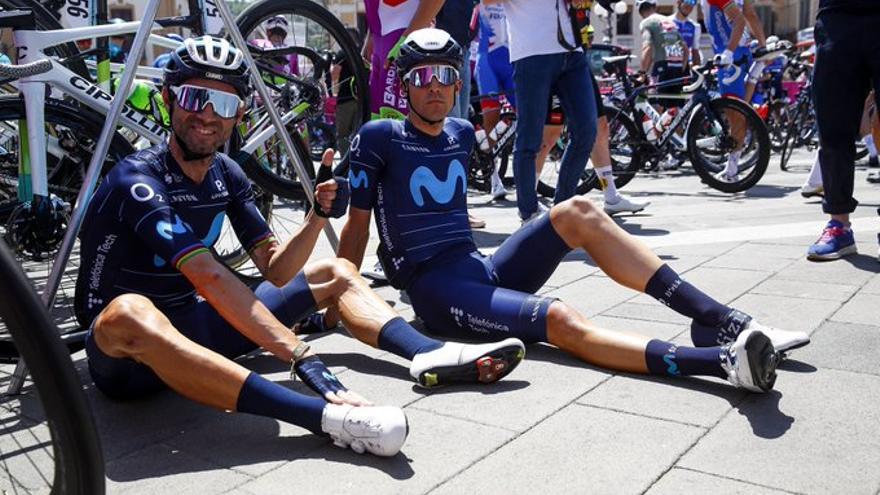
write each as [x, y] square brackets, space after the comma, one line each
[196, 98]
[420, 77]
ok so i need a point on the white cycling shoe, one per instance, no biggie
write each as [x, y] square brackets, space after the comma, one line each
[624, 205]
[467, 363]
[750, 361]
[379, 430]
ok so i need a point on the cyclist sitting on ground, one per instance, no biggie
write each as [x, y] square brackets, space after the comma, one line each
[411, 174]
[726, 21]
[146, 246]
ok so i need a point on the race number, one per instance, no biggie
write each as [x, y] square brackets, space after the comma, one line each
[77, 13]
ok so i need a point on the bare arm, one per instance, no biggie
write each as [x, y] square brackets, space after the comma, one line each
[754, 22]
[279, 263]
[354, 236]
[647, 53]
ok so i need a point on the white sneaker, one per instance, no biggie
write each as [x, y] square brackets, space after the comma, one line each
[750, 361]
[782, 340]
[541, 210]
[476, 222]
[811, 191]
[724, 177]
[624, 205]
[379, 430]
[498, 190]
[375, 273]
[467, 363]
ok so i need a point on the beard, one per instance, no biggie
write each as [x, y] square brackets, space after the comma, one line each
[193, 145]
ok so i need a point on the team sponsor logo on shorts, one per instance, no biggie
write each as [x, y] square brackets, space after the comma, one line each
[441, 191]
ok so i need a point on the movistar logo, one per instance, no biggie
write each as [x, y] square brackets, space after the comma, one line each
[209, 239]
[669, 359]
[168, 229]
[441, 191]
[357, 180]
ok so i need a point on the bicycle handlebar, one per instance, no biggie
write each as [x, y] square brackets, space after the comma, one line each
[12, 71]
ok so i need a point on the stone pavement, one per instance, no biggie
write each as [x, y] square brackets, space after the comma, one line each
[561, 426]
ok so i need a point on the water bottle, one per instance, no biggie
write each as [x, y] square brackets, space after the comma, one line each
[482, 141]
[648, 127]
[498, 131]
[665, 119]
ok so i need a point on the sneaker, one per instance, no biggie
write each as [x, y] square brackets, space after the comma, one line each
[810, 191]
[375, 273]
[750, 361]
[467, 363]
[498, 190]
[624, 205]
[724, 177]
[834, 243]
[379, 430]
[475, 222]
[873, 177]
[735, 323]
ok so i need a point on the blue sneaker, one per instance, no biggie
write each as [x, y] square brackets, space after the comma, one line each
[834, 243]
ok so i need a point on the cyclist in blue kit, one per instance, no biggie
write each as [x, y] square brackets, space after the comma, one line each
[411, 175]
[163, 312]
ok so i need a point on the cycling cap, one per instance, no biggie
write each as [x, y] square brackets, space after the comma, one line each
[208, 58]
[426, 46]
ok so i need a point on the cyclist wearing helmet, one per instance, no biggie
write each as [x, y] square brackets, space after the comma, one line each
[146, 248]
[411, 174]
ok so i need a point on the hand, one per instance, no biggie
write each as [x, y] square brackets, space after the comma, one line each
[395, 51]
[314, 373]
[331, 193]
[723, 59]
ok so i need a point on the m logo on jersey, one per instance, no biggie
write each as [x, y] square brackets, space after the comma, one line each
[168, 229]
[209, 239]
[441, 191]
[357, 179]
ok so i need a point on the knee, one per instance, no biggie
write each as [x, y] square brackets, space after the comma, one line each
[336, 273]
[561, 316]
[578, 212]
[128, 325]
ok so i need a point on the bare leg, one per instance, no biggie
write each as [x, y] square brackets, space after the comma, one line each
[131, 327]
[551, 134]
[582, 225]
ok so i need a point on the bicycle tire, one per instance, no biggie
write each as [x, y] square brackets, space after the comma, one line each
[276, 184]
[789, 140]
[623, 173]
[755, 125]
[78, 459]
[250, 20]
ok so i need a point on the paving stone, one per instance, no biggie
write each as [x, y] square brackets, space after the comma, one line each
[573, 267]
[578, 450]
[753, 261]
[844, 273]
[872, 287]
[695, 401]
[806, 290]
[787, 313]
[437, 448]
[678, 481]
[723, 284]
[817, 434]
[593, 295]
[163, 469]
[862, 308]
[769, 249]
[843, 346]
[708, 249]
[650, 310]
[25, 450]
[547, 380]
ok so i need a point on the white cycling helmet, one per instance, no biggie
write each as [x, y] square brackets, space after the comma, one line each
[278, 23]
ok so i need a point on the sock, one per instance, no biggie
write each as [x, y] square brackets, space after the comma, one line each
[265, 398]
[401, 339]
[869, 143]
[606, 182]
[667, 287]
[733, 163]
[815, 174]
[668, 359]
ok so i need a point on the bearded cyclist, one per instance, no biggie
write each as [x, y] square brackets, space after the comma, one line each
[411, 174]
[146, 245]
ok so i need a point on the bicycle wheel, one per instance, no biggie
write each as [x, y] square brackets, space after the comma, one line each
[790, 139]
[624, 147]
[710, 143]
[49, 438]
[46, 20]
[33, 233]
[316, 34]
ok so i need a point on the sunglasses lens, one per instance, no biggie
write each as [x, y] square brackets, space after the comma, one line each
[421, 76]
[195, 99]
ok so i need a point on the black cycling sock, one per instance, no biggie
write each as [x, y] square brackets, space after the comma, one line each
[265, 398]
[401, 339]
[668, 359]
[668, 287]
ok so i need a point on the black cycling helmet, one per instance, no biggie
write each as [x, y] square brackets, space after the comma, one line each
[208, 58]
[426, 46]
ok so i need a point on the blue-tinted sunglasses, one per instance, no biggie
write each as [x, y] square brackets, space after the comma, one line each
[196, 98]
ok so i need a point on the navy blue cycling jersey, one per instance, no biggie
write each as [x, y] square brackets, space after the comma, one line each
[147, 218]
[417, 185]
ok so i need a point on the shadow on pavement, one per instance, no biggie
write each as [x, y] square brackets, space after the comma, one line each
[863, 262]
[796, 366]
[767, 191]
